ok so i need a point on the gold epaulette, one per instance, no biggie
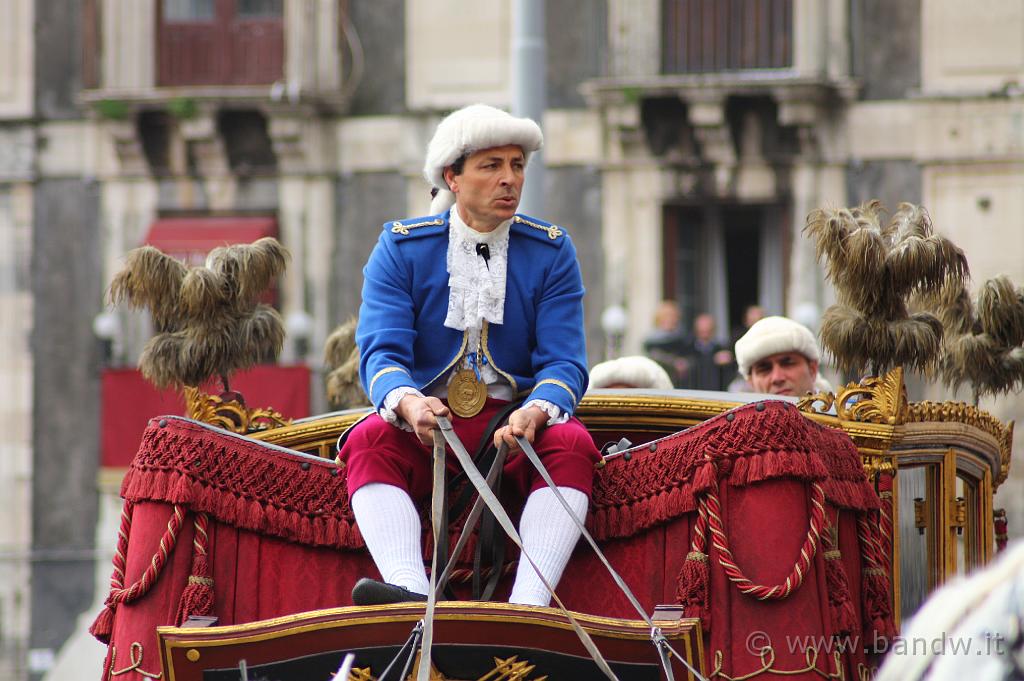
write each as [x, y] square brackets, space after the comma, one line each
[403, 226]
[553, 231]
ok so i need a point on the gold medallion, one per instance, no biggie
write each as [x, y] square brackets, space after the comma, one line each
[466, 395]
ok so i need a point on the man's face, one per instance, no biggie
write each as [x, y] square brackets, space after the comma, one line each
[704, 327]
[784, 373]
[487, 191]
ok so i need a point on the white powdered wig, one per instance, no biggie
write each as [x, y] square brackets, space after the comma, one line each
[469, 129]
[770, 336]
[635, 371]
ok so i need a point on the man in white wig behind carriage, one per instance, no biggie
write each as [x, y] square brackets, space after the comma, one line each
[464, 311]
[780, 356]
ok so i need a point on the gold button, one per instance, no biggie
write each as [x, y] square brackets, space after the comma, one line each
[192, 655]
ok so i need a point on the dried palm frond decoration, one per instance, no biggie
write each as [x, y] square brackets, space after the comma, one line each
[875, 269]
[341, 355]
[208, 319]
[983, 343]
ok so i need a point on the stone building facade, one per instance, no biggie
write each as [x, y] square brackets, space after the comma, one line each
[685, 146]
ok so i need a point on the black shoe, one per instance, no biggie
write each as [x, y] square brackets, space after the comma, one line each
[371, 592]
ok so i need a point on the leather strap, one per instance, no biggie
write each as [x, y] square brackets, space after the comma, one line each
[489, 539]
[436, 514]
[485, 457]
[474, 514]
[659, 640]
[494, 505]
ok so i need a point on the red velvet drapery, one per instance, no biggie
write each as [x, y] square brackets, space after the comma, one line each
[280, 538]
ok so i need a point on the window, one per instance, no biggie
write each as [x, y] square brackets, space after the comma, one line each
[259, 9]
[726, 35]
[220, 42]
[722, 259]
[188, 10]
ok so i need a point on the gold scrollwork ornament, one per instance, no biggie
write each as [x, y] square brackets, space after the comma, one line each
[230, 413]
[881, 399]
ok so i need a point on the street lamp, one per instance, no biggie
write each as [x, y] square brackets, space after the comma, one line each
[299, 327]
[613, 322]
[106, 326]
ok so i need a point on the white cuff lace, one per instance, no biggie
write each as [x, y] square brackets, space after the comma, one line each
[391, 400]
[554, 412]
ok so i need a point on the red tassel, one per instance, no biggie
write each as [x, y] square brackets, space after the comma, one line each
[740, 472]
[197, 598]
[306, 534]
[254, 516]
[693, 586]
[755, 469]
[319, 532]
[844, 618]
[774, 465]
[816, 468]
[877, 607]
[103, 626]
[705, 477]
[614, 527]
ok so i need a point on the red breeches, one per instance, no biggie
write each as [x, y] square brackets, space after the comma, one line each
[376, 451]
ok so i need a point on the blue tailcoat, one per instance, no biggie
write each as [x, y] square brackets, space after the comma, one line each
[540, 348]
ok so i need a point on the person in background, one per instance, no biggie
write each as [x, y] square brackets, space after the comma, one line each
[751, 314]
[710, 360]
[634, 371]
[779, 356]
[667, 344]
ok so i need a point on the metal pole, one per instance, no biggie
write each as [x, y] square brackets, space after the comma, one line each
[529, 83]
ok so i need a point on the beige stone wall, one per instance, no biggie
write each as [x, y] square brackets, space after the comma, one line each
[980, 206]
[16, 54]
[17, 157]
[15, 425]
[129, 57]
[971, 47]
[455, 56]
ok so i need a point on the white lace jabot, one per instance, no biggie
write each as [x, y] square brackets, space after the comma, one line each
[476, 291]
[476, 287]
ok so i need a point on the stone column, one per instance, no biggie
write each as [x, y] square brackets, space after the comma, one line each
[305, 154]
[17, 50]
[634, 36]
[129, 44]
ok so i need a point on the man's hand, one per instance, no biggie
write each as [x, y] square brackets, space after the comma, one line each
[522, 423]
[421, 413]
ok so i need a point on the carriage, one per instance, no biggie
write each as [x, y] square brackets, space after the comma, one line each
[759, 537]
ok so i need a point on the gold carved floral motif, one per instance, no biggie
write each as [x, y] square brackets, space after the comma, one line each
[509, 669]
[969, 415]
[230, 412]
[881, 399]
[874, 464]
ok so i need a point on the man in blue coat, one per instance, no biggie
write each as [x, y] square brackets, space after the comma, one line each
[464, 311]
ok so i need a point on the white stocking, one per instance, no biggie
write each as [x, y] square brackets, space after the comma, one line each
[549, 536]
[390, 525]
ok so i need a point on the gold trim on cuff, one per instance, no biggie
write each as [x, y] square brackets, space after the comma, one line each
[386, 370]
[560, 384]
